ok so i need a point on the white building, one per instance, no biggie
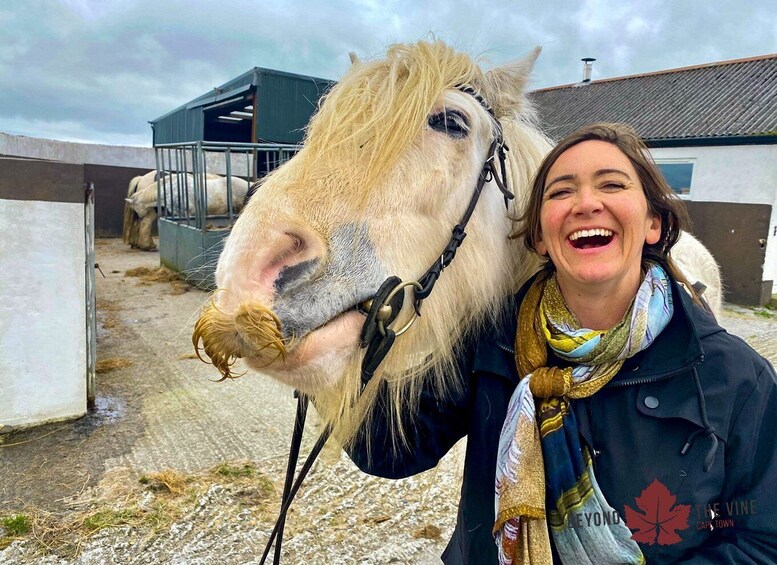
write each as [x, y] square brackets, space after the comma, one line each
[46, 295]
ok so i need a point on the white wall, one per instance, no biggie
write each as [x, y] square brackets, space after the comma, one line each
[42, 311]
[116, 155]
[734, 173]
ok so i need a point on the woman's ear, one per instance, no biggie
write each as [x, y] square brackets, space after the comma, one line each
[653, 234]
[541, 248]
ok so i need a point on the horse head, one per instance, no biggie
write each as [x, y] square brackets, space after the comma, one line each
[388, 167]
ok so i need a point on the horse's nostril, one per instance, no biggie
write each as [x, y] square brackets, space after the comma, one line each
[295, 246]
[291, 276]
[292, 257]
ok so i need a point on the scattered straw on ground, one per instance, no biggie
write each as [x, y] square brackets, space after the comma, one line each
[167, 481]
[106, 305]
[112, 364]
[188, 356]
[160, 274]
[149, 276]
[148, 505]
[109, 321]
[179, 287]
[428, 532]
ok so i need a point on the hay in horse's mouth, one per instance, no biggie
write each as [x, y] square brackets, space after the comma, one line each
[253, 331]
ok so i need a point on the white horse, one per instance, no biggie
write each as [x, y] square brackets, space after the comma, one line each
[141, 208]
[130, 230]
[388, 168]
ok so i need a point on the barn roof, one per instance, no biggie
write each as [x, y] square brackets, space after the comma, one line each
[259, 105]
[724, 102]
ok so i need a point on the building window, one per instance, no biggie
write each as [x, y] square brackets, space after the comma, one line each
[678, 176]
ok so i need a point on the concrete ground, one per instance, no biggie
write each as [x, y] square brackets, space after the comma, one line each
[158, 409]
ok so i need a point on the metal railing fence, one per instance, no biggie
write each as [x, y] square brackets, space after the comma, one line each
[182, 170]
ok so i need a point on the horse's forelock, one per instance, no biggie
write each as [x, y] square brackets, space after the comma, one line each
[378, 109]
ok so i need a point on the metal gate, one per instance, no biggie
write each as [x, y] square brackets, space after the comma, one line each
[190, 239]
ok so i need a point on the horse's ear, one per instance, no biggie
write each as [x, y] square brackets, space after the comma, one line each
[354, 58]
[507, 85]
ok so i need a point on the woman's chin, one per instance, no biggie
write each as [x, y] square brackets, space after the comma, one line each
[318, 359]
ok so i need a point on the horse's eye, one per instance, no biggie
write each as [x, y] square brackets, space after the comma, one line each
[450, 122]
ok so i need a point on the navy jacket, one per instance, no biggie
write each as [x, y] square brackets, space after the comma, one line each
[694, 382]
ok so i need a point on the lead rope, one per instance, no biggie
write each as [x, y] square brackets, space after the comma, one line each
[296, 441]
[290, 489]
[377, 336]
[378, 345]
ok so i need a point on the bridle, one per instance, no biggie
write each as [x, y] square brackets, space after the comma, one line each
[382, 310]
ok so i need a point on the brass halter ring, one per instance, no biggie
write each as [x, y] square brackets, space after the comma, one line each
[392, 294]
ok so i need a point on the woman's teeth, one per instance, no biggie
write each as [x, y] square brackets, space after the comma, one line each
[590, 233]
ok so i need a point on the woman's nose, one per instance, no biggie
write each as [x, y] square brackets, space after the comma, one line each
[587, 201]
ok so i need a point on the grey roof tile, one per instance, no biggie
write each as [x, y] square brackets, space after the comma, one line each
[726, 99]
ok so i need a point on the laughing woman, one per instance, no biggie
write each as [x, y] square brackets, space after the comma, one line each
[609, 418]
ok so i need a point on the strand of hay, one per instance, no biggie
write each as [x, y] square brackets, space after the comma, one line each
[146, 274]
[112, 364]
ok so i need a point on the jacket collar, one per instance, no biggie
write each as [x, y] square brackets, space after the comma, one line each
[681, 396]
[496, 353]
[677, 348]
[665, 370]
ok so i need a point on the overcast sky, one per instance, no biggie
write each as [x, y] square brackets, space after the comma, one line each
[99, 70]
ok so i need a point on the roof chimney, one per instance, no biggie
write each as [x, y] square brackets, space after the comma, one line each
[588, 65]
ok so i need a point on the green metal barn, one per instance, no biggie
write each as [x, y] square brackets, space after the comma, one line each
[260, 106]
[242, 129]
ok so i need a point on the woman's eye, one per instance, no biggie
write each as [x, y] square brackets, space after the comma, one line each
[450, 122]
[557, 193]
[614, 186]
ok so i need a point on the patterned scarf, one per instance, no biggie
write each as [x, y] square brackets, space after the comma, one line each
[540, 446]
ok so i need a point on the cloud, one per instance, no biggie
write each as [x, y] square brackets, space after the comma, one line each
[101, 69]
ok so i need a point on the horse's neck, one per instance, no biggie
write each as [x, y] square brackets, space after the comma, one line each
[528, 147]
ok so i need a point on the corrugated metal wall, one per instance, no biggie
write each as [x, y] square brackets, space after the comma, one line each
[178, 126]
[285, 105]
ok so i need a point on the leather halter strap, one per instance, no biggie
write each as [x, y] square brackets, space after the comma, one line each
[377, 335]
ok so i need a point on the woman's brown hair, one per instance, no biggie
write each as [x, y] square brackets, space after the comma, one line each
[661, 200]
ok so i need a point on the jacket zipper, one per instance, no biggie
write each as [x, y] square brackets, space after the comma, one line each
[505, 348]
[656, 378]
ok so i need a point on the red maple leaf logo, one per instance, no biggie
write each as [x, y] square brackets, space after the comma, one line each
[660, 518]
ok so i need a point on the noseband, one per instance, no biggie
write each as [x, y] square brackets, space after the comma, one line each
[382, 310]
